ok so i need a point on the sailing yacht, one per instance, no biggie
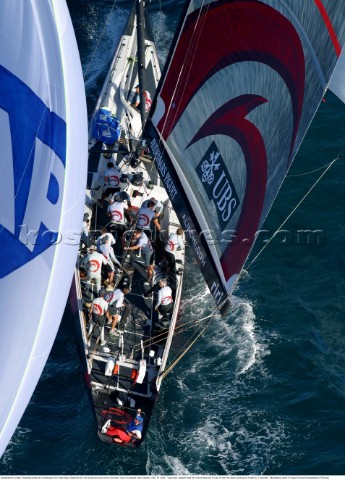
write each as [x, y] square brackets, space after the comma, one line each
[124, 366]
[241, 86]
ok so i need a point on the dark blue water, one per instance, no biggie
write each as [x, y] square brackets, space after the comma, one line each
[263, 391]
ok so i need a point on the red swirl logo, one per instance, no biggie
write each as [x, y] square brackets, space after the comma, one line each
[97, 309]
[143, 220]
[166, 300]
[116, 215]
[114, 180]
[94, 266]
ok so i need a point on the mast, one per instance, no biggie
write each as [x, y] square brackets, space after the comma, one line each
[141, 57]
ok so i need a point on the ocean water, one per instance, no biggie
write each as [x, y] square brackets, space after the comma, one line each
[263, 389]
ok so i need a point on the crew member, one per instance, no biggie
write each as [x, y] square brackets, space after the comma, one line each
[158, 206]
[108, 252]
[136, 99]
[147, 214]
[115, 300]
[112, 180]
[142, 242]
[93, 265]
[174, 243]
[164, 302]
[97, 313]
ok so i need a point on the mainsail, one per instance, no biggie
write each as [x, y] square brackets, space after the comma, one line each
[243, 84]
[43, 124]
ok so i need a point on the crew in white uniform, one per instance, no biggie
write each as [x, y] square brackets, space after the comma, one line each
[141, 241]
[97, 314]
[158, 206]
[104, 232]
[115, 300]
[93, 265]
[108, 252]
[136, 99]
[147, 214]
[116, 211]
[164, 303]
[112, 177]
[174, 242]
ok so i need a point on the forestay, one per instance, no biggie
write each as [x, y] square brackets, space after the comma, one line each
[43, 124]
[243, 84]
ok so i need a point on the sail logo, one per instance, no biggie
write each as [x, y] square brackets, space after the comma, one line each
[106, 132]
[32, 170]
[218, 185]
[208, 167]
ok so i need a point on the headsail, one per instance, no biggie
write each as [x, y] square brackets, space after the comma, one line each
[243, 84]
[337, 84]
[43, 123]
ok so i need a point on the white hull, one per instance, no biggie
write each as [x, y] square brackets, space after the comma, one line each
[127, 352]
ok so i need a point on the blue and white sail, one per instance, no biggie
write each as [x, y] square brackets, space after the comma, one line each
[43, 124]
[242, 87]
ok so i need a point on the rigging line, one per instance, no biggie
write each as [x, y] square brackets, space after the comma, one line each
[307, 173]
[152, 341]
[293, 211]
[186, 66]
[177, 359]
[99, 40]
[175, 362]
[182, 326]
[166, 334]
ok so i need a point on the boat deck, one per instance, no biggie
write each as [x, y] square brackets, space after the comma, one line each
[138, 336]
[124, 374]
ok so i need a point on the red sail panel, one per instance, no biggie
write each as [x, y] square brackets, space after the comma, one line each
[243, 84]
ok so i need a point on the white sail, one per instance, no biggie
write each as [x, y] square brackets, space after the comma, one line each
[337, 83]
[43, 124]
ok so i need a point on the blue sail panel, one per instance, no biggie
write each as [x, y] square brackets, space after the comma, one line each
[43, 122]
